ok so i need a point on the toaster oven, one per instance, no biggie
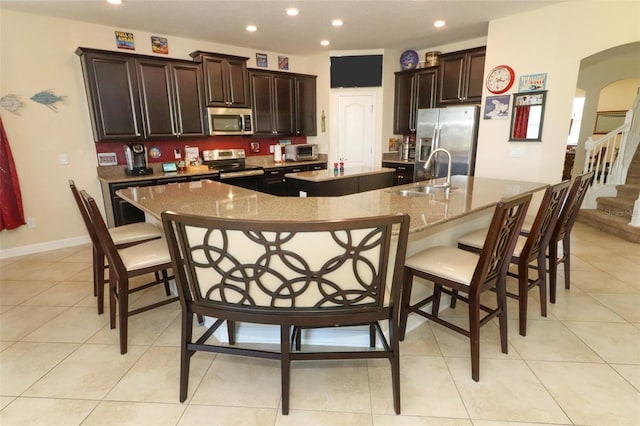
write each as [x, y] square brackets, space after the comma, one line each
[301, 152]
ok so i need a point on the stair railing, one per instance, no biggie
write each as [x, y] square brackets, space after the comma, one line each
[610, 155]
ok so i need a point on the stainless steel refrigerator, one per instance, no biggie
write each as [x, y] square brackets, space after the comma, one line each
[454, 129]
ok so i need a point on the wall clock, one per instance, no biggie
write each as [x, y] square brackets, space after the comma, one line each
[409, 59]
[500, 79]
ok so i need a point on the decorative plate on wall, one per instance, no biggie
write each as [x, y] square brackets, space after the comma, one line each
[409, 59]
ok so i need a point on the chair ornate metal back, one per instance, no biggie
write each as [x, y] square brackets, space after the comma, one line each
[294, 275]
[562, 232]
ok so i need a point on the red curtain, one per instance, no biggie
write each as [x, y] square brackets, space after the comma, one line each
[521, 121]
[11, 212]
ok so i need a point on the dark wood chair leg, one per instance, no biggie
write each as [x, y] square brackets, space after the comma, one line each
[165, 279]
[113, 297]
[553, 270]
[395, 368]
[542, 283]
[372, 336]
[98, 278]
[501, 294]
[437, 295]
[185, 354]
[474, 336]
[123, 311]
[523, 297]
[406, 298]
[285, 366]
[566, 251]
[231, 332]
[454, 299]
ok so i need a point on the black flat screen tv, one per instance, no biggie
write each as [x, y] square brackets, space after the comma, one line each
[356, 71]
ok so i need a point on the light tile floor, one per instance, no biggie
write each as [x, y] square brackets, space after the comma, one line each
[60, 363]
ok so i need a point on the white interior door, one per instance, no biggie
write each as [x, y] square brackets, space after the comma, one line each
[356, 128]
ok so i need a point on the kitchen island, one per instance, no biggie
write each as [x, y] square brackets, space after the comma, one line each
[437, 218]
[466, 197]
[336, 182]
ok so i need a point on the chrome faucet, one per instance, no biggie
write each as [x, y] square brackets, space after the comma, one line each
[447, 184]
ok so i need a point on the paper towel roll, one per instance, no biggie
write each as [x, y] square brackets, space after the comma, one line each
[277, 153]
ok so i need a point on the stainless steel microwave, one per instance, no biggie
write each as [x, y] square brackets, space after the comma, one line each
[229, 121]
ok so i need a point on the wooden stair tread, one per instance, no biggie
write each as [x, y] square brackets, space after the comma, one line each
[612, 224]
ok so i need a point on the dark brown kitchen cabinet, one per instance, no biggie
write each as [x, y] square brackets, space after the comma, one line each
[112, 92]
[403, 173]
[272, 100]
[305, 105]
[226, 83]
[135, 97]
[413, 90]
[171, 98]
[461, 76]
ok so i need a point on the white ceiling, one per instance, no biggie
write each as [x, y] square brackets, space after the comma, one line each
[401, 24]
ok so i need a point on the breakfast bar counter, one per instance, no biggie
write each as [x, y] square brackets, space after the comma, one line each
[467, 195]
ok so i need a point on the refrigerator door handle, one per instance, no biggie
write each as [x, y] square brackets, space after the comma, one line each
[436, 139]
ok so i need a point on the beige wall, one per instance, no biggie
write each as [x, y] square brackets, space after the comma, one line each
[37, 53]
[619, 95]
[554, 40]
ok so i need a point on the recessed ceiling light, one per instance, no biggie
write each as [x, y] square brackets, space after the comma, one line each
[324, 42]
[114, 1]
[251, 28]
[292, 11]
[439, 24]
[336, 22]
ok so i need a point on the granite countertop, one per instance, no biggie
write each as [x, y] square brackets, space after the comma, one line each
[394, 157]
[329, 174]
[114, 174]
[209, 198]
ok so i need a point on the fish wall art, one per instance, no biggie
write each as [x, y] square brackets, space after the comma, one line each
[11, 103]
[48, 99]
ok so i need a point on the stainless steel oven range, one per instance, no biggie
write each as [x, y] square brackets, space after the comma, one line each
[231, 165]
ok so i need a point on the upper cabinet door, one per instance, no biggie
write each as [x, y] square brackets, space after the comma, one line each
[189, 106]
[461, 76]
[112, 93]
[404, 104]
[414, 90]
[226, 81]
[283, 104]
[262, 105]
[238, 83]
[475, 75]
[272, 99]
[171, 98]
[154, 80]
[305, 104]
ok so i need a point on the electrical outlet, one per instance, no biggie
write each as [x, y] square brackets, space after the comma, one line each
[516, 152]
[63, 159]
[31, 222]
[272, 149]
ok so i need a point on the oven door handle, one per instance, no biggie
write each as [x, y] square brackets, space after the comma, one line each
[243, 173]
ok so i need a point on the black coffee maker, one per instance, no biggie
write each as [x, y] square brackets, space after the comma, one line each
[136, 155]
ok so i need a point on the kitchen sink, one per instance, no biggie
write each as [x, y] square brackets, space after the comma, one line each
[422, 190]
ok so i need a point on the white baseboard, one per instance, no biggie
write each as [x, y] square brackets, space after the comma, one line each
[41, 247]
